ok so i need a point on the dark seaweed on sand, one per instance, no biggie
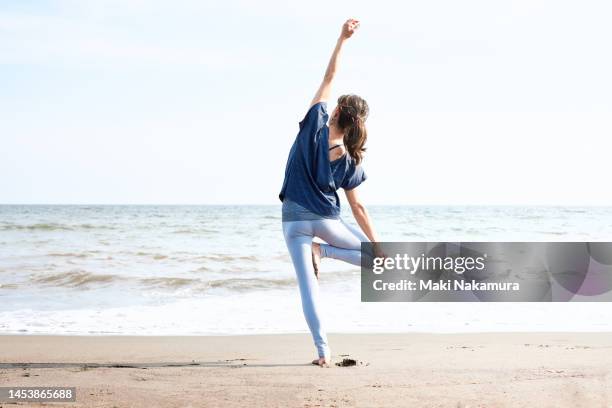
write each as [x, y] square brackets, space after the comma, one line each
[347, 362]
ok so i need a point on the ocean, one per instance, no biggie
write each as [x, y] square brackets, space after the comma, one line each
[186, 270]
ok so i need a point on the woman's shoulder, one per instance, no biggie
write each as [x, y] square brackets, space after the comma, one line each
[321, 105]
[315, 113]
[315, 122]
[314, 125]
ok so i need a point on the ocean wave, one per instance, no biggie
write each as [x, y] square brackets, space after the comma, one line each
[231, 269]
[241, 284]
[69, 254]
[227, 257]
[170, 282]
[235, 284]
[52, 227]
[182, 256]
[155, 256]
[195, 231]
[82, 279]
[34, 227]
[76, 278]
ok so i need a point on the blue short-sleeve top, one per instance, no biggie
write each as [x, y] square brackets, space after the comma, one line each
[311, 180]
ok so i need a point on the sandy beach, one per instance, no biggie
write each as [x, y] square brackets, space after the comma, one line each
[395, 370]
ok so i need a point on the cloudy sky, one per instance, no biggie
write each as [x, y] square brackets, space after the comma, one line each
[190, 102]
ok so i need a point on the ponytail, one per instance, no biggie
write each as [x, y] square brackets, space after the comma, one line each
[355, 139]
[352, 114]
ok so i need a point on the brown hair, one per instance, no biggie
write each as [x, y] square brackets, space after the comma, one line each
[352, 114]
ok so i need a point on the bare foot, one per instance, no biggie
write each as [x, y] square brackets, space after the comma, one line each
[316, 258]
[322, 362]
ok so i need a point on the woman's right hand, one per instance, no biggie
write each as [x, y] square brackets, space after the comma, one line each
[348, 28]
[378, 252]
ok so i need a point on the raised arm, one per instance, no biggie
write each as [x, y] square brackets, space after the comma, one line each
[348, 29]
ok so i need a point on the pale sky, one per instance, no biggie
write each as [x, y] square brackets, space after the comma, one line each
[197, 102]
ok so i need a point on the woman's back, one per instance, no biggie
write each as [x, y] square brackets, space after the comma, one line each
[310, 179]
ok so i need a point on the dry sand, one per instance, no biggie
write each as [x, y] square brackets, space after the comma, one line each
[398, 370]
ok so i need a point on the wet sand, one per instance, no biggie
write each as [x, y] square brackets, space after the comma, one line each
[396, 370]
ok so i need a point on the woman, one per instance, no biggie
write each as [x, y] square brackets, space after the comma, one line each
[323, 159]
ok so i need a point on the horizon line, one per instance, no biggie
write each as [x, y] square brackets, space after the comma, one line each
[278, 204]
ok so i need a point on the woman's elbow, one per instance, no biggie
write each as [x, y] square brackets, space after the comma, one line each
[357, 207]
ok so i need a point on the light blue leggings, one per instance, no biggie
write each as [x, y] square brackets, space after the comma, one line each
[343, 243]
